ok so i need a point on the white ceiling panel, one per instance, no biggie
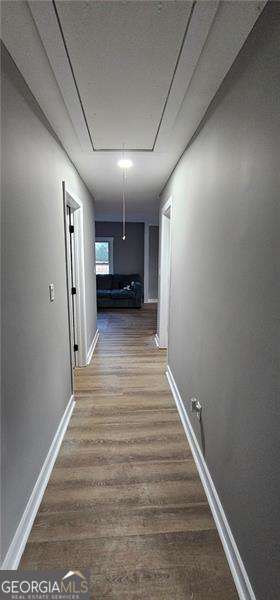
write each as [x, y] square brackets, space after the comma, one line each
[108, 67]
[48, 25]
[202, 18]
[21, 37]
[123, 56]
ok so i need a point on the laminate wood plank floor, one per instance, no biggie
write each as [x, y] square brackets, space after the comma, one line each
[125, 498]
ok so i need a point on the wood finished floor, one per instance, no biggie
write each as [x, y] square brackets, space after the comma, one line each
[124, 498]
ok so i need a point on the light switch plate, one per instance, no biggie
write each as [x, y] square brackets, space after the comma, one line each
[51, 292]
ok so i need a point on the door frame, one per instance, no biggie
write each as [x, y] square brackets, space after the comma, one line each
[164, 274]
[70, 199]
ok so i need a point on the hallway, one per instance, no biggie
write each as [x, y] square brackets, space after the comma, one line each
[140, 169]
[124, 498]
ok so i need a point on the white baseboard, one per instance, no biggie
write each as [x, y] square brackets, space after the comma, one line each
[13, 556]
[92, 347]
[236, 565]
[152, 300]
[156, 338]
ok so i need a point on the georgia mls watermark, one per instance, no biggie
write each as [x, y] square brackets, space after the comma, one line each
[44, 585]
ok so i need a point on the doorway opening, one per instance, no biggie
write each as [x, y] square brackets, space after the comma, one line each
[75, 277]
[164, 274]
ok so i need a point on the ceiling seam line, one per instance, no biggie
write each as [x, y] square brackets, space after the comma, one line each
[49, 125]
[72, 71]
[167, 96]
[121, 149]
[174, 72]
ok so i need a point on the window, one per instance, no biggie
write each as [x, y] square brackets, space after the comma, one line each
[104, 256]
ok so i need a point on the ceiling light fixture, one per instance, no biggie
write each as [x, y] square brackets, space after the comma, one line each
[125, 163]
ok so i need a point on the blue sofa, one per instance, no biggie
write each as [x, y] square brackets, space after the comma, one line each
[111, 292]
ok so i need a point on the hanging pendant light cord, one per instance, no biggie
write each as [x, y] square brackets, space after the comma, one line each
[123, 197]
[123, 203]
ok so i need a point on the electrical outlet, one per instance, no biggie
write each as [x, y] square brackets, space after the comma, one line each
[51, 292]
[196, 407]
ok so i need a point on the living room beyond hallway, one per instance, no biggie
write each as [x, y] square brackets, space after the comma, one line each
[131, 258]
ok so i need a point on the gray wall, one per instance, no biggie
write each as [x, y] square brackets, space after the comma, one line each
[153, 261]
[36, 367]
[225, 296]
[128, 253]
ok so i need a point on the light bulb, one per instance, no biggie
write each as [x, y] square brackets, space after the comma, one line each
[125, 163]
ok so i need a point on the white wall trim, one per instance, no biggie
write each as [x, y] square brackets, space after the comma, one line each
[92, 347]
[74, 202]
[236, 565]
[13, 556]
[146, 261]
[152, 300]
[164, 281]
[157, 340]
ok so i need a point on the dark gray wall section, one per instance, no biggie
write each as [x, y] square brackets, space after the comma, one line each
[225, 296]
[128, 253]
[36, 368]
[153, 261]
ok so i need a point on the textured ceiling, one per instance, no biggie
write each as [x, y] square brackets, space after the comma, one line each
[123, 56]
[125, 72]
